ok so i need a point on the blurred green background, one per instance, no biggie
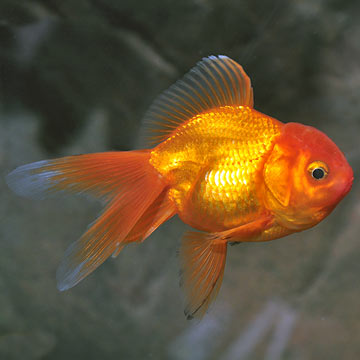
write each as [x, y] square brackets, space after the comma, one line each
[76, 77]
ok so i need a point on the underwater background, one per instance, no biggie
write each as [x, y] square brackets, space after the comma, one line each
[77, 77]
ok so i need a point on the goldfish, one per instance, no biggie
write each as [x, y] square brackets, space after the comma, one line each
[229, 171]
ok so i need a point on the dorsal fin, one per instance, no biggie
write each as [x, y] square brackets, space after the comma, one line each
[214, 82]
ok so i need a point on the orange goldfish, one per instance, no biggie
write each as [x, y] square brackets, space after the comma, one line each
[224, 168]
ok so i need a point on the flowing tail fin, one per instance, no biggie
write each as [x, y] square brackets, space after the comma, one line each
[135, 195]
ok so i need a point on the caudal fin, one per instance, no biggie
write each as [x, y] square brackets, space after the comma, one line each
[135, 195]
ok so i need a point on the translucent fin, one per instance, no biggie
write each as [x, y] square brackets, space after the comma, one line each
[140, 187]
[105, 236]
[203, 263]
[98, 174]
[117, 251]
[31, 182]
[246, 232]
[214, 82]
[157, 213]
[128, 183]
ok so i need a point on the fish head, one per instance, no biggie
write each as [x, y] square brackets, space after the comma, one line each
[305, 176]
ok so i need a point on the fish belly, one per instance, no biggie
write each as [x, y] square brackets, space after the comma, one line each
[224, 196]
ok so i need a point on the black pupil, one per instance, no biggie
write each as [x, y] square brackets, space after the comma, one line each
[318, 173]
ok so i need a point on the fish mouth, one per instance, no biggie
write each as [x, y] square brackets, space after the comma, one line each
[347, 178]
[348, 185]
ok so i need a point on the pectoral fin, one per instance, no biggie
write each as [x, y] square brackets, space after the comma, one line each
[246, 232]
[203, 263]
[203, 257]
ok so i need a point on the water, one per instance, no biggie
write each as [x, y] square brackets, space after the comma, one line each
[76, 77]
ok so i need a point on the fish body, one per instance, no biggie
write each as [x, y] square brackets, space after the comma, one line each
[226, 169]
[214, 163]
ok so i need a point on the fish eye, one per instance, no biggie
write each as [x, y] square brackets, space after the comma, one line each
[318, 173]
[318, 170]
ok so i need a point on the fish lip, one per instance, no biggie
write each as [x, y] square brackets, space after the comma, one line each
[349, 185]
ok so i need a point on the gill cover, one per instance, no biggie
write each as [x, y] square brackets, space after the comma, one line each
[277, 172]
